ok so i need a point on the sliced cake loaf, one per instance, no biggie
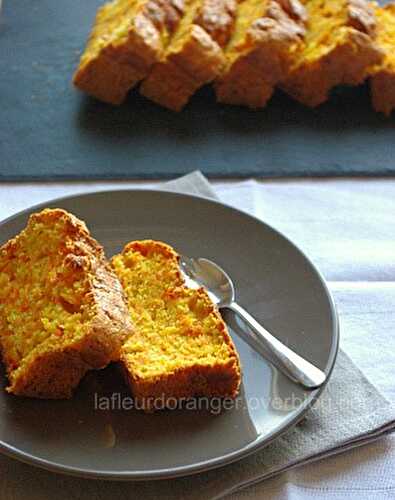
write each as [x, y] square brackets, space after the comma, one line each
[382, 82]
[339, 49]
[128, 37]
[181, 347]
[62, 310]
[266, 37]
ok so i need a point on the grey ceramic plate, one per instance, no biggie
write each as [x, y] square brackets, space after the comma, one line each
[274, 281]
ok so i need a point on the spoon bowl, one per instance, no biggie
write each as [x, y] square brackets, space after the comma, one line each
[204, 272]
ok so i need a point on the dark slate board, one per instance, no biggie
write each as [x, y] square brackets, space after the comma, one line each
[48, 130]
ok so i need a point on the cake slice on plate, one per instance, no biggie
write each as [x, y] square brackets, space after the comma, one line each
[62, 309]
[181, 347]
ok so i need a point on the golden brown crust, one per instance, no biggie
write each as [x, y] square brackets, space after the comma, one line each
[195, 381]
[262, 57]
[295, 9]
[361, 17]
[382, 87]
[343, 57]
[55, 368]
[42, 379]
[165, 14]
[217, 18]
[382, 81]
[220, 378]
[111, 65]
[169, 86]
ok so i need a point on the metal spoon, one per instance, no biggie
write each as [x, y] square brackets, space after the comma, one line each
[219, 286]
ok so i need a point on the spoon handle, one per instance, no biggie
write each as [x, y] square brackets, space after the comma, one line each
[287, 361]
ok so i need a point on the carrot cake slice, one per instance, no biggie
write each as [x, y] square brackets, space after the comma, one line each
[266, 37]
[127, 39]
[181, 347]
[194, 56]
[339, 49]
[382, 82]
[62, 309]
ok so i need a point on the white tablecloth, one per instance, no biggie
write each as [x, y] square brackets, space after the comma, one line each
[347, 227]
